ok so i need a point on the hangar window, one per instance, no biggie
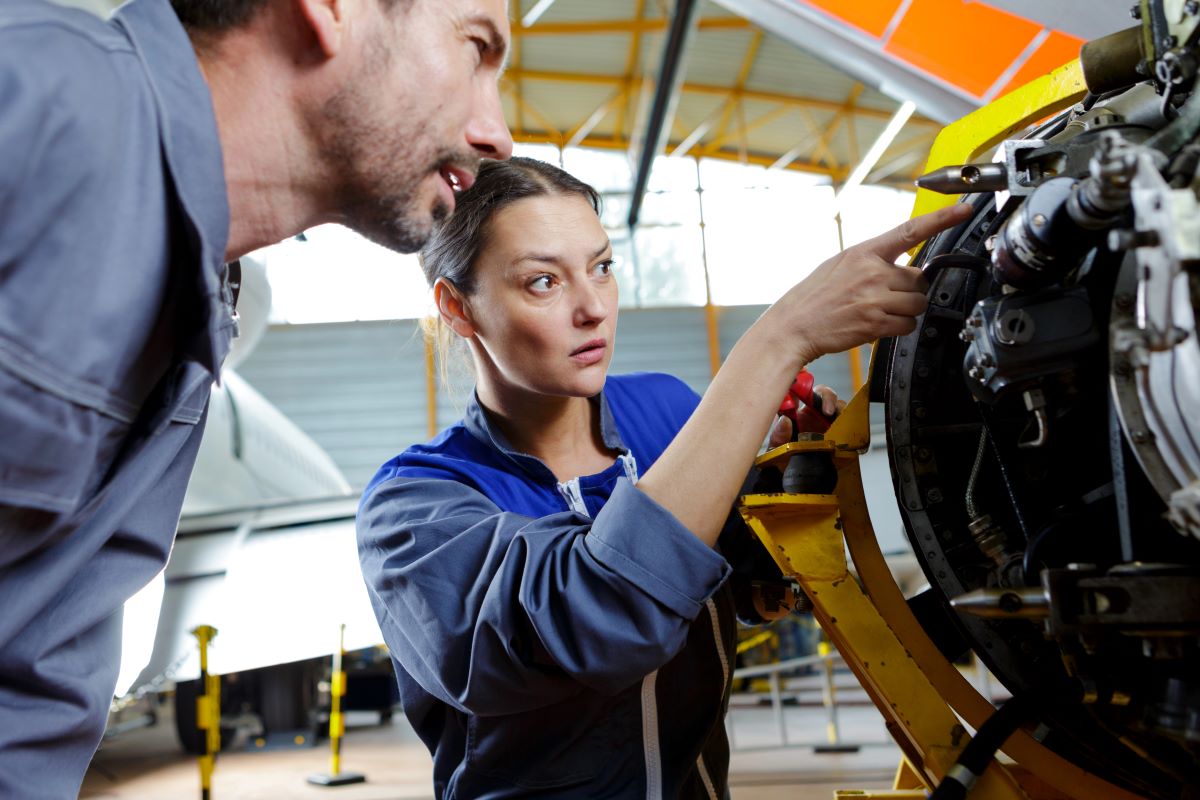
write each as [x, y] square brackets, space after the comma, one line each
[755, 231]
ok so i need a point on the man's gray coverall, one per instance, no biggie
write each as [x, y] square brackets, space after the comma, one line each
[114, 319]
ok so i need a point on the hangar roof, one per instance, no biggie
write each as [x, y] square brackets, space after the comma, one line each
[798, 84]
[795, 90]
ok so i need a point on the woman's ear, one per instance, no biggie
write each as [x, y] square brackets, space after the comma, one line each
[326, 21]
[452, 307]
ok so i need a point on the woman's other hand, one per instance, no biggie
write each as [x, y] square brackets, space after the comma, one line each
[831, 406]
[860, 294]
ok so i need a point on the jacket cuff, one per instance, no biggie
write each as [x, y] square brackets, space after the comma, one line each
[635, 536]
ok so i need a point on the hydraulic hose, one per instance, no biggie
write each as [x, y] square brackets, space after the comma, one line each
[994, 732]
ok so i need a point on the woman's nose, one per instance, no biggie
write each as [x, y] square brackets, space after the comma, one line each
[590, 307]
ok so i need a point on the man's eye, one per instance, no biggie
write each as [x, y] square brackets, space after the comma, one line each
[481, 46]
[605, 268]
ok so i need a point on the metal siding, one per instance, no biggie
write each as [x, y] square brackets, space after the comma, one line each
[359, 388]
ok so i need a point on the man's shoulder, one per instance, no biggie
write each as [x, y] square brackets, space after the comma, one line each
[27, 23]
[64, 76]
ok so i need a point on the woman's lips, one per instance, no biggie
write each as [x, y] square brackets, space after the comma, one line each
[589, 353]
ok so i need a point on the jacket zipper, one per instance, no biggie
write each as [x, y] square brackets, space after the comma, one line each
[720, 644]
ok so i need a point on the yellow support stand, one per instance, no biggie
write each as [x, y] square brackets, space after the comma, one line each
[916, 690]
[208, 711]
[337, 726]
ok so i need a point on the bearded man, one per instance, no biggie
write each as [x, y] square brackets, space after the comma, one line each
[140, 158]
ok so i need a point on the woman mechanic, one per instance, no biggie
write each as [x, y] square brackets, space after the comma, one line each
[546, 571]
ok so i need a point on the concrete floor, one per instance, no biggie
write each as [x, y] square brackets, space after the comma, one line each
[147, 764]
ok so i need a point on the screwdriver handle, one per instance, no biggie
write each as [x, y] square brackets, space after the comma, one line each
[802, 401]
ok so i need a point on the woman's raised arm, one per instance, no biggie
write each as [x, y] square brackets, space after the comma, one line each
[853, 298]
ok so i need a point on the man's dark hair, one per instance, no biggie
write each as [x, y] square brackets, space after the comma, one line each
[457, 242]
[215, 16]
[211, 16]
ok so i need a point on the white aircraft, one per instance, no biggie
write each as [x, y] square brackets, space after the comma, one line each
[265, 554]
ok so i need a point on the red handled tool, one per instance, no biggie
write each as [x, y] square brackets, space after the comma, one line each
[803, 406]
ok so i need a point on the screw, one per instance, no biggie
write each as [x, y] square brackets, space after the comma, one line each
[1168, 42]
[1124, 301]
[934, 495]
[1191, 7]
[923, 454]
[1039, 220]
[931, 332]
[986, 360]
[967, 335]
[976, 373]
[922, 371]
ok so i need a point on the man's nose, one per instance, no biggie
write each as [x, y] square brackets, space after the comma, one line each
[488, 132]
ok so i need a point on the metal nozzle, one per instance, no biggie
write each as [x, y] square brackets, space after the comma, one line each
[966, 178]
[1028, 602]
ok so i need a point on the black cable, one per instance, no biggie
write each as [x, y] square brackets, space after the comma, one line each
[991, 736]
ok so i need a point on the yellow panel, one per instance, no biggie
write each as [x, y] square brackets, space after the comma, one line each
[967, 139]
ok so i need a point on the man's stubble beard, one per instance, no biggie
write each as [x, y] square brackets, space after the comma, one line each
[378, 165]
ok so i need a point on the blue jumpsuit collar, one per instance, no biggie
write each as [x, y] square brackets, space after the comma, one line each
[479, 424]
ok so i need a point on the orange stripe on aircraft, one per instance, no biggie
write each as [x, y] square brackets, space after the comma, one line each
[964, 43]
[1057, 50]
[869, 16]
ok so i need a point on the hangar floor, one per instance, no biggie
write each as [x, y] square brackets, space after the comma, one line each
[147, 765]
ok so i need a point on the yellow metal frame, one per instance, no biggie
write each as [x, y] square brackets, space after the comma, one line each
[920, 694]
[963, 141]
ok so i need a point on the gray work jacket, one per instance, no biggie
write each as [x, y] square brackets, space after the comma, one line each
[114, 320]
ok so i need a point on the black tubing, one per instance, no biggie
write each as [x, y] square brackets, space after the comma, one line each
[994, 732]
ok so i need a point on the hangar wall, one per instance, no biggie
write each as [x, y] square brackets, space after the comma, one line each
[359, 388]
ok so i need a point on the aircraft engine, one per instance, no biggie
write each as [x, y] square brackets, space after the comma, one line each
[1043, 420]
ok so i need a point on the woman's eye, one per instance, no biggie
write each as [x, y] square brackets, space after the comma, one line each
[542, 283]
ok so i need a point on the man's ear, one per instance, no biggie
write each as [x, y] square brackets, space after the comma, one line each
[326, 21]
[452, 307]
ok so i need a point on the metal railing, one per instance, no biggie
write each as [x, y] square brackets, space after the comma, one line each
[829, 698]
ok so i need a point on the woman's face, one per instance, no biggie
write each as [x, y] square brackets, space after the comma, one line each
[544, 308]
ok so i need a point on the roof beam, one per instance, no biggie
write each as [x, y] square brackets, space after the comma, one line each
[666, 94]
[635, 26]
[701, 88]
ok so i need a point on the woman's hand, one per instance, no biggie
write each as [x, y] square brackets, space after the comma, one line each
[856, 297]
[781, 431]
[860, 295]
